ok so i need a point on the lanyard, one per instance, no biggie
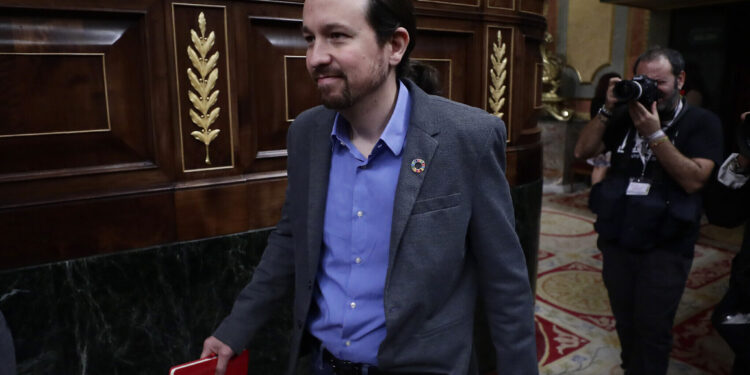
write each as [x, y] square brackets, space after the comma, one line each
[641, 144]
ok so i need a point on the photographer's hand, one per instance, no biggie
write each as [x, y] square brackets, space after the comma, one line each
[690, 173]
[590, 141]
[645, 121]
[611, 100]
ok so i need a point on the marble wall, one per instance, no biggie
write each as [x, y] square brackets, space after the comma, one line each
[137, 312]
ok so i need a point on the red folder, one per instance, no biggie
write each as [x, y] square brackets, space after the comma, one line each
[206, 366]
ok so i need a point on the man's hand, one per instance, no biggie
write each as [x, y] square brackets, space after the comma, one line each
[590, 140]
[611, 100]
[645, 121]
[212, 345]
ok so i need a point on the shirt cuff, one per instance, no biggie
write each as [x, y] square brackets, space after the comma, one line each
[728, 177]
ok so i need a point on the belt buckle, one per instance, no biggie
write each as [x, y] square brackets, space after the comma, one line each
[342, 367]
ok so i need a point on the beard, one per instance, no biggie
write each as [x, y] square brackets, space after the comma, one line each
[332, 100]
[668, 104]
[345, 97]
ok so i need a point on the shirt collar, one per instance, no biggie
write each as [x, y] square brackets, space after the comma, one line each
[394, 135]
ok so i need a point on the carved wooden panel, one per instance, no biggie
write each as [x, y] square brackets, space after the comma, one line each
[281, 87]
[465, 3]
[61, 96]
[97, 133]
[299, 90]
[202, 73]
[447, 51]
[502, 4]
[532, 6]
[73, 94]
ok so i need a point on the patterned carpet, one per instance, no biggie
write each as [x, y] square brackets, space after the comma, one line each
[575, 327]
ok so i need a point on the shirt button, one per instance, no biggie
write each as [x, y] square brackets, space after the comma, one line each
[353, 304]
[348, 343]
[358, 260]
[360, 213]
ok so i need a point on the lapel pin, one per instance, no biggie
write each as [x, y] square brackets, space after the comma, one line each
[417, 166]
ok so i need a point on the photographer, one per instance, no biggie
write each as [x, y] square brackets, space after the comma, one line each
[727, 203]
[648, 206]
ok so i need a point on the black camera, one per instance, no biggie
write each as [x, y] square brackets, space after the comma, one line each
[743, 137]
[641, 88]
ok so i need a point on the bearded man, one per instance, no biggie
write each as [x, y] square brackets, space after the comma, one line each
[649, 205]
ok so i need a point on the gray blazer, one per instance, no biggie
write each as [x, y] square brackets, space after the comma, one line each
[452, 237]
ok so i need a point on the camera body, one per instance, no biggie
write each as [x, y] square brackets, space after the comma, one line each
[640, 88]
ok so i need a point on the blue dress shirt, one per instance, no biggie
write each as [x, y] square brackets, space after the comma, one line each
[350, 318]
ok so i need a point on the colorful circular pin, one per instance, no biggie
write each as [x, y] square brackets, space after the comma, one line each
[417, 166]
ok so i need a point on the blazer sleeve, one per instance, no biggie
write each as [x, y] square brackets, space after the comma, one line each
[272, 280]
[503, 278]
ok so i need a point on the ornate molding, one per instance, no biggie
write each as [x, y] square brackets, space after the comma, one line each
[498, 74]
[203, 83]
[552, 67]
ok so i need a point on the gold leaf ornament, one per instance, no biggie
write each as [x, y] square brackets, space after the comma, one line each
[498, 74]
[204, 97]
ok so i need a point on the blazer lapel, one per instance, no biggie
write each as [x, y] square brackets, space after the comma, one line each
[318, 172]
[420, 144]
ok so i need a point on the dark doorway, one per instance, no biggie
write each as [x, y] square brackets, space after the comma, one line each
[713, 40]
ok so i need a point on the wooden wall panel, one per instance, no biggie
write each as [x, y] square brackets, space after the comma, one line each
[502, 4]
[70, 87]
[450, 52]
[532, 6]
[299, 90]
[96, 151]
[74, 229]
[282, 88]
[72, 98]
[463, 3]
[211, 211]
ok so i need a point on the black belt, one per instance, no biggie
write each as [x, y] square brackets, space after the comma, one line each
[342, 367]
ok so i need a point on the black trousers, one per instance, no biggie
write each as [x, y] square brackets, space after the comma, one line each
[736, 335]
[7, 353]
[644, 291]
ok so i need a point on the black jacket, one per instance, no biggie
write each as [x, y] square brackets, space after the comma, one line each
[729, 208]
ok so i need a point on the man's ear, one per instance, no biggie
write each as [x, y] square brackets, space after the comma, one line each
[399, 42]
[681, 80]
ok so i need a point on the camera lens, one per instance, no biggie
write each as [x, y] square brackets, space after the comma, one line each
[626, 91]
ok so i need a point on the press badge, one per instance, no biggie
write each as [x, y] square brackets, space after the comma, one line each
[638, 186]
